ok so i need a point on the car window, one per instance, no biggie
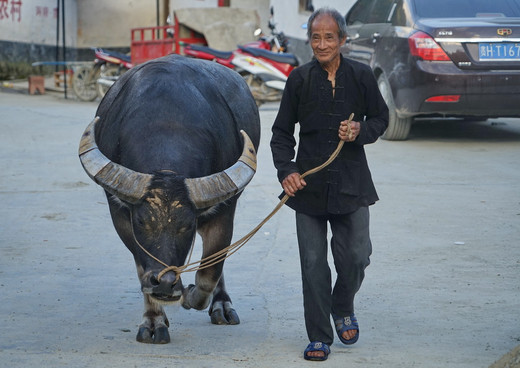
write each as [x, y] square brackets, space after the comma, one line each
[359, 12]
[398, 15]
[467, 8]
[380, 11]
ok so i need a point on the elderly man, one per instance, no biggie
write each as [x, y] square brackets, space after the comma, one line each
[320, 96]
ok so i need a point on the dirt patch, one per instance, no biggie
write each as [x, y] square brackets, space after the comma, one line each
[510, 360]
[73, 185]
[54, 216]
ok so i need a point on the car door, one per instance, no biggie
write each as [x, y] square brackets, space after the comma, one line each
[367, 22]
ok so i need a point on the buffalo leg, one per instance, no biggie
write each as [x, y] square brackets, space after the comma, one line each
[209, 282]
[154, 328]
[221, 310]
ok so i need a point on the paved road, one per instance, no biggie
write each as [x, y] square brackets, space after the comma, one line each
[442, 291]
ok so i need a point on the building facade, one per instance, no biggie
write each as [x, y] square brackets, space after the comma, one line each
[40, 30]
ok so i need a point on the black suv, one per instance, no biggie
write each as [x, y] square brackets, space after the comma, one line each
[447, 58]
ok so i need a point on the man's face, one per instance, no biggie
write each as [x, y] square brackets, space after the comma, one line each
[325, 41]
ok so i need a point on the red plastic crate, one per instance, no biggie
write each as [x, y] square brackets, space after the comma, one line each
[150, 43]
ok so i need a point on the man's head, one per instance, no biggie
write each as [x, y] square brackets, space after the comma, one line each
[327, 31]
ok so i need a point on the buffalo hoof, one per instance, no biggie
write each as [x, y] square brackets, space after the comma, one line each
[224, 314]
[158, 336]
[161, 335]
[144, 335]
[185, 297]
[193, 297]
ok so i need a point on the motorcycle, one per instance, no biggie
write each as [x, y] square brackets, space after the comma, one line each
[92, 81]
[208, 53]
[276, 41]
[112, 65]
[265, 64]
[264, 71]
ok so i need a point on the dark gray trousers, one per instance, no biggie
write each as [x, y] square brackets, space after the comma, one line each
[351, 250]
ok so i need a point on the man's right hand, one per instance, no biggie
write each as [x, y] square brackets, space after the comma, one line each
[293, 183]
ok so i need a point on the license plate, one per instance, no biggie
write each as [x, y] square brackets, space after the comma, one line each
[499, 51]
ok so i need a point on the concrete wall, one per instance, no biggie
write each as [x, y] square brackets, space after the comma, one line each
[178, 4]
[88, 22]
[261, 6]
[108, 23]
[34, 21]
[289, 18]
[28, 27]
[28, 34]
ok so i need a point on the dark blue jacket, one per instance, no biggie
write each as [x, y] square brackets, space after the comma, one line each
[346, 184]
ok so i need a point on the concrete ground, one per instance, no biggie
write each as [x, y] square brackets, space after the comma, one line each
[443, 289]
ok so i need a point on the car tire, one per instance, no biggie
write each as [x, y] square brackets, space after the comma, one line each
[398, 127]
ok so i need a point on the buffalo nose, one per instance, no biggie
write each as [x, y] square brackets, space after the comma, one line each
[165, 285]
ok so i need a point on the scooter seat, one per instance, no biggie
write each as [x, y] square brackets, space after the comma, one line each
[285, 58]
[209, 50]
[117, 55]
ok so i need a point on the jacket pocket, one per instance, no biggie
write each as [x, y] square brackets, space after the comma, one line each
[350, 180]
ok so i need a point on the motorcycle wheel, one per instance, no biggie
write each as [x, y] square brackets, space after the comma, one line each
[111, 72]
[84, 82]
[260, 91]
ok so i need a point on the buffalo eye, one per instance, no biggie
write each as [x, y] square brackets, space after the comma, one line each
[139, 221]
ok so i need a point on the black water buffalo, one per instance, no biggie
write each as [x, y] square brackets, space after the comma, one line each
[168, 150]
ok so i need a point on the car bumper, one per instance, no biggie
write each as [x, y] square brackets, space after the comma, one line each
[482, 93]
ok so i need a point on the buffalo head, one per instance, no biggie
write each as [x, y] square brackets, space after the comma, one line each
[162, 208]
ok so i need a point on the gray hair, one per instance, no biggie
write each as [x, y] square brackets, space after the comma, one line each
[338, 18]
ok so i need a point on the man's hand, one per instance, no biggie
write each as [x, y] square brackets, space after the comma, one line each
[349, 132]
[293, 183]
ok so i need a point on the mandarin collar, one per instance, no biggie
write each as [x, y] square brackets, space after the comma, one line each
[325, 74]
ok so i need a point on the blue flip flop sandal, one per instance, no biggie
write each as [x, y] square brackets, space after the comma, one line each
[344, 324]
[317, 346]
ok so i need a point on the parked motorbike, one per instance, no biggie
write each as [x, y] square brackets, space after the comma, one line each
[92, 81]
[264, 71]
[276, 41]
[112, 65]
[265, 64]
[208, 53]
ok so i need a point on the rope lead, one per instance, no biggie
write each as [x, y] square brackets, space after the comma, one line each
[233, 248]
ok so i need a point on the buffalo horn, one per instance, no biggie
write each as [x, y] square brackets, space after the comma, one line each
[212, 189]
[118, 180]
[131, 186]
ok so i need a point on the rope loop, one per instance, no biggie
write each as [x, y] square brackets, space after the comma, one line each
[176, 270]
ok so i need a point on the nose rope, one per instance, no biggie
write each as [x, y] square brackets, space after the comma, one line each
[233, 248]
[176, 269]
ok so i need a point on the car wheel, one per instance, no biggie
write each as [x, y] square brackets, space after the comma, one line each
[398, 127]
